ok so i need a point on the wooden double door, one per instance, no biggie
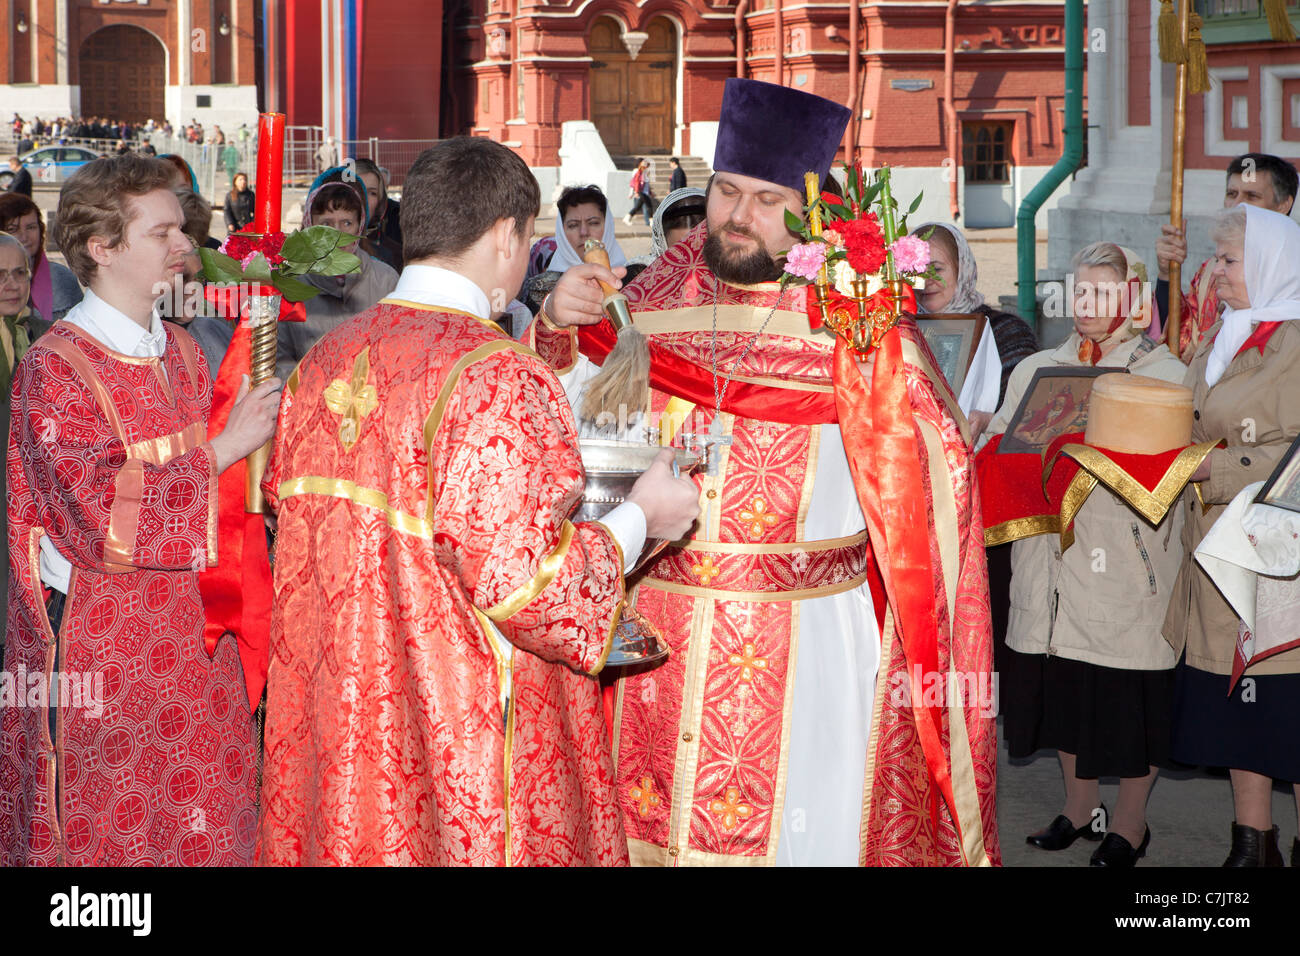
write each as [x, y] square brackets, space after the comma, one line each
[123, 75]
[632, 100]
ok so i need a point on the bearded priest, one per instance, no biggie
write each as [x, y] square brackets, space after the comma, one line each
[812, 710]
[438, 620]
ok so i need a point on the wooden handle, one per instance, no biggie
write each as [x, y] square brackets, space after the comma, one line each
[596, 253]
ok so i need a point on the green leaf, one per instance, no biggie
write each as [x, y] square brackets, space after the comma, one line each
[870, 194]
[337, 263]
[793, 222]
[293, 290]
[916, 203]
[258, 269]
[219, 267]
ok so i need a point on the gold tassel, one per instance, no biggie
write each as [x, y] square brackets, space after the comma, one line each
[1170, 41]
[1198, 71]
[1279, 24]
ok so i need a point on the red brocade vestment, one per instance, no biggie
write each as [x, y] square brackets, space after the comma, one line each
[425, 469]
[723, 752]
[108, 456]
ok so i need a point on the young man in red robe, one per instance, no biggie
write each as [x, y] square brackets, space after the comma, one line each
[836, 588]
[438, 620]
[126, 740]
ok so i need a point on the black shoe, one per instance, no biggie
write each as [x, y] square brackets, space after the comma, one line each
[1251, 847]
[1062, 832]
[1117, 852]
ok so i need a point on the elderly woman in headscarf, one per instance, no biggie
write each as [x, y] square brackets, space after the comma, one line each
[1087, 671]
[1007, 338]
[680, 212]
[581, 214]
[1245, 377]
[54, 289]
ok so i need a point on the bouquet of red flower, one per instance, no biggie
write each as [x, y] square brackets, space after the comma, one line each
[858, 259]
[274, 259]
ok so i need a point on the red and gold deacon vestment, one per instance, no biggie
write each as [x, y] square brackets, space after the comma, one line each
[782, 729]
[155, 764]
[425, 469]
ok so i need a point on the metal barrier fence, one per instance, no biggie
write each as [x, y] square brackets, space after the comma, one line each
[302, 156]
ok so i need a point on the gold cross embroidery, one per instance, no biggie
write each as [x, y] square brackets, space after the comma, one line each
[730, 809]
[645, 797]
[353, 400]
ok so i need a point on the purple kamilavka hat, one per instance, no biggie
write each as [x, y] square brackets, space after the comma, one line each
[777, 134]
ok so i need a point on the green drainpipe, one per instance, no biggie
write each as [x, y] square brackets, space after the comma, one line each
[1026, 271]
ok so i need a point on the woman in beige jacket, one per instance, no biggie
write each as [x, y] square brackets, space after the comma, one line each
[1088, 673]
[1245, 378]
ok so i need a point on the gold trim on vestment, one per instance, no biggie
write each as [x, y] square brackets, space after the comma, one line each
[1017, 528]
[687, 759]
[609, 639]
[425, 307]
[124, 515]
[965, 793]
[366, 497]
[434, 421]
[502, 666]
[944, 507]
[527, 592]
[785, 547]
[719, 594]
[119, 356]
[873, 737]
[1152, 505]
[733, 317]
[159, 451]
[783, 756]
[510, 740]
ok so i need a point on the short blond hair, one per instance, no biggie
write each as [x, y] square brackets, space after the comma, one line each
[1104, 255]
[94, 202]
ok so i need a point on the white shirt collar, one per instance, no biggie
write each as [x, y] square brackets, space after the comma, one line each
[430, 285]
[115, 331]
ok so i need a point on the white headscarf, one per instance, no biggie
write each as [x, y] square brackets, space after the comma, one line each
[966, 298]
[566, 256]
[1272, 268]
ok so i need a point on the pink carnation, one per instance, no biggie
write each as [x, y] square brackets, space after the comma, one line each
[911, 254]
[805, 260]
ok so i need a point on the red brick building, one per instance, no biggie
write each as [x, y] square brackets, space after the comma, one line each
[649, 76]
[131, 60]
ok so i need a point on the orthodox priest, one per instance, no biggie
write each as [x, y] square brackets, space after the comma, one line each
[806, 714]
[438, 620]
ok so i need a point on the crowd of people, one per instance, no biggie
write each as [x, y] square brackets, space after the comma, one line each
[431, 588]
[30, 133]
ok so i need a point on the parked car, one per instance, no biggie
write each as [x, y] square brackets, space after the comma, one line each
[51, 164]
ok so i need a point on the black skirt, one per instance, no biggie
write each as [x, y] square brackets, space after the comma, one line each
[1117, 722]
[1255, 728]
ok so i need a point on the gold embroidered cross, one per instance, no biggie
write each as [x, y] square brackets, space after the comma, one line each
[730, 809]
[353, 400]
[757, 518]
[706, 571]
[748, 661]
[645, 796]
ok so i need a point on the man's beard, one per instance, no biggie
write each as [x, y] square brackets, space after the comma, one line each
[741, 268]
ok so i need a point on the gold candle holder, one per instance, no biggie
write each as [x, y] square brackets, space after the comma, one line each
[263, 319]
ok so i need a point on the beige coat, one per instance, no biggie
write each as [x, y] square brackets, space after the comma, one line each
[1103, 600]
[1255, 406]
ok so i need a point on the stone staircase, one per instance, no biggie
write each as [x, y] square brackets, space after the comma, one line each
[697, 171]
